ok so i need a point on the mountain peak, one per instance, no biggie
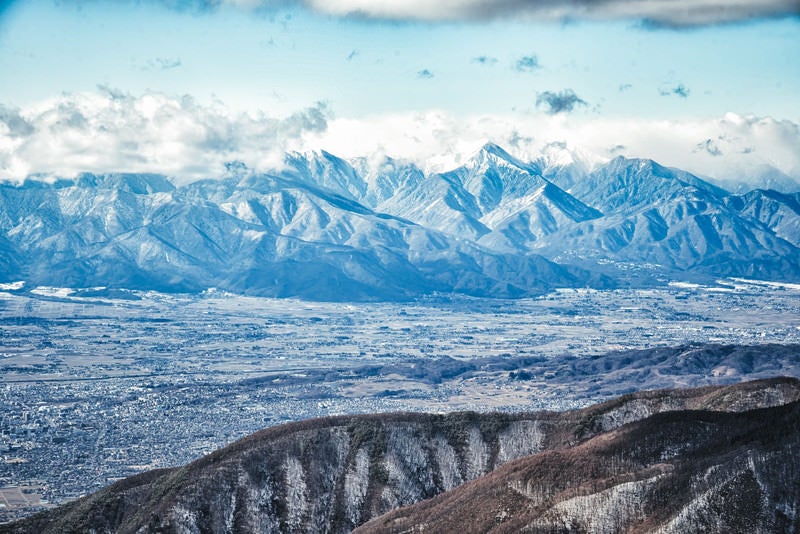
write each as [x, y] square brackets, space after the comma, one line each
[140, 184]
[492, 154]
[640, 164]
[327, 170]
[494, 148]
[308, 157]
[642, 168]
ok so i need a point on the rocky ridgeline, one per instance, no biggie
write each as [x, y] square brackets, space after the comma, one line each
[334, 474]
[673, 472]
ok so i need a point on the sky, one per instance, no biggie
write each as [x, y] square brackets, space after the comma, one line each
[183, 86]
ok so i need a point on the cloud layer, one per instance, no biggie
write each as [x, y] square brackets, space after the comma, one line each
[112, 131]
[108, 131]
[438, 141]
[677, 13]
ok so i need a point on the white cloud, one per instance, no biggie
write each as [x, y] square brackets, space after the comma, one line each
[438, 141]
[667, 12]
[112, 131]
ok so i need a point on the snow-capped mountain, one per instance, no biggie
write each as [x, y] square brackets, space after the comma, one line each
[324, 227]
[761, 177]
[565, 166]
[674, 219]
[777, 211]
[494, 198]
[267, 235]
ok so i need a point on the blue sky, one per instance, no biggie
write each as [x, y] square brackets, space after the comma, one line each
[290, 58]
[464, 63]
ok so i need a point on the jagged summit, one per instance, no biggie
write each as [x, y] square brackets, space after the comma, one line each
[329, 171]
[628, 183]
[493, 154]
[140, 184]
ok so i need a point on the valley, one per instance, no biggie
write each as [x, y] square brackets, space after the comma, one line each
[146, 323]
[98, 384]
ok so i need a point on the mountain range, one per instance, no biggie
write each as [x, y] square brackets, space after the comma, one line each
[713, 459]
[327, 228]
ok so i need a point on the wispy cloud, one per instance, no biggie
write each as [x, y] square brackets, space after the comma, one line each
[484, 60]
[560, 102]
[162, 63]
[660, 13]
[112, 131]
[439, 141]
[527, 63]
[678, 90]
[710, 147]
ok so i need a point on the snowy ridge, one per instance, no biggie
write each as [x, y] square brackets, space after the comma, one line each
[327, 228]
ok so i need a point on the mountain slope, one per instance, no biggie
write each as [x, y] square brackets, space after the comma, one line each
[493, 198]
[331, 475]
[325, 170]
[627, 210]
[624, 185]
[682, 471]
[385, 178]
[331, 229]
[261, 234]
[679, 222]
[777, 211]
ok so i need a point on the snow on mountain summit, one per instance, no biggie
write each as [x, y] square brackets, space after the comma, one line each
[329, 228]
